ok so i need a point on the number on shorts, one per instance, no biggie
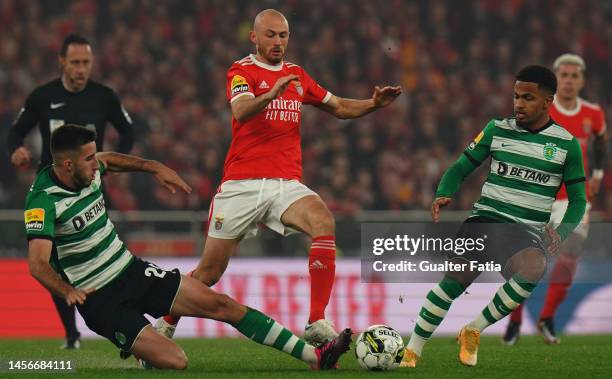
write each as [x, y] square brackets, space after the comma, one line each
[154, 270]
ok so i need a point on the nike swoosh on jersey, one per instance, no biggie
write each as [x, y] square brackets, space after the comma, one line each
[57, 105]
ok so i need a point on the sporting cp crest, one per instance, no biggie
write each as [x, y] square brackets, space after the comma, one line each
[550, 150]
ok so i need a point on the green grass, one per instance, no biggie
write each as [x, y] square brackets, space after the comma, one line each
[577, 357]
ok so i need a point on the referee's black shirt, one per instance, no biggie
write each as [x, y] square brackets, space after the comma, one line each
[51, 105]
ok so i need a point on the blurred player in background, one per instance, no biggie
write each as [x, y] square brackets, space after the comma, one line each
[584, 120]
[65, 213]
[71, 98]
[263, 168]
[531, 156]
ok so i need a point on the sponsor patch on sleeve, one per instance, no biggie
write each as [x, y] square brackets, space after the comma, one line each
[239, 85]
[34, 219]
[473, 144]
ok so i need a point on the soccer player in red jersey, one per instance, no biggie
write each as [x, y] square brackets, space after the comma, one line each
[584, 120]
[263, 168]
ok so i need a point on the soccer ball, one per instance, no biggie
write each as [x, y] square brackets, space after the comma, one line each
[379, 348]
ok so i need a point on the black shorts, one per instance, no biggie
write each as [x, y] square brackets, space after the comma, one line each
[116, 311]
[502, 240]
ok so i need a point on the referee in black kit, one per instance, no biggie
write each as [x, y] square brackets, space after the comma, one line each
[70, 99]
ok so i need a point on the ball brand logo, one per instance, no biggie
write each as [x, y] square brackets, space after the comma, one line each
[387, 332]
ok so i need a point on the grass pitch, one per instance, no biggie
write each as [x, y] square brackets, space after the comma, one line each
[576, 357]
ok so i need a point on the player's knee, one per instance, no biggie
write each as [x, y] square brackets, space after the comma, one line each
[209, 275]
[533, 265]
[177, 359]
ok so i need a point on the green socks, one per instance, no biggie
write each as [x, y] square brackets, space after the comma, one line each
[264, 330]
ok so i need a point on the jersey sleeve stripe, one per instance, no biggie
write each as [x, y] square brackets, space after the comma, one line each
[240, 95]
[42, 237]
[328, 96]
[574, 181]
[474, 161]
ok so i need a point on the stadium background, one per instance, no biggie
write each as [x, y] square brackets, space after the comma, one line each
[168, 59]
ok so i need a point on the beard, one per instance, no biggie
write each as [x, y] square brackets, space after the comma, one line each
[81, 180]
[268, 55]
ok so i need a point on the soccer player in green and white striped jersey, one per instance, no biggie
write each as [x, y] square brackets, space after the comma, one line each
[75, 252]
[531, 156]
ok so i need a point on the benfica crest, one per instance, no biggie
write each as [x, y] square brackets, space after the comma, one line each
[298, 88]
[218, 222]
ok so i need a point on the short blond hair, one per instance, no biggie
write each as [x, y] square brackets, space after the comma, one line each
[569, 59]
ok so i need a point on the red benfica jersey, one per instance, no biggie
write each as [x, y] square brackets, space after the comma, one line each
[586, 120]
[268, 144]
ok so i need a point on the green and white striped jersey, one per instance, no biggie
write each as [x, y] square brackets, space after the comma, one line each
[88, 251]
[526, 171]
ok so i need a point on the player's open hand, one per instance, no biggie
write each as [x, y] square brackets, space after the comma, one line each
[438, 203]
[553, 241]
[21, 157]
[78, 296]
[281, 85]
[168, 178]
[386, 95]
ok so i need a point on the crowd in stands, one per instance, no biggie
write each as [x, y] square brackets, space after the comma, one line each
[167, 60]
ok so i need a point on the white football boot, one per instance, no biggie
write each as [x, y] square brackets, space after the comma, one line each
[320, 332]
[164, 328]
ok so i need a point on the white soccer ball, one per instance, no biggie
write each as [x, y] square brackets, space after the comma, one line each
[379, 347]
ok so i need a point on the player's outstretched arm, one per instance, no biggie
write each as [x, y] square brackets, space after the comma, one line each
[350, 108]
[39, 253]
[450, 183]
[246, 107]
[167, 177]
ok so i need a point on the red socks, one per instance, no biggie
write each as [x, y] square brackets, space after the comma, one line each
[560, 281]
[322, 269]
[517, 314]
